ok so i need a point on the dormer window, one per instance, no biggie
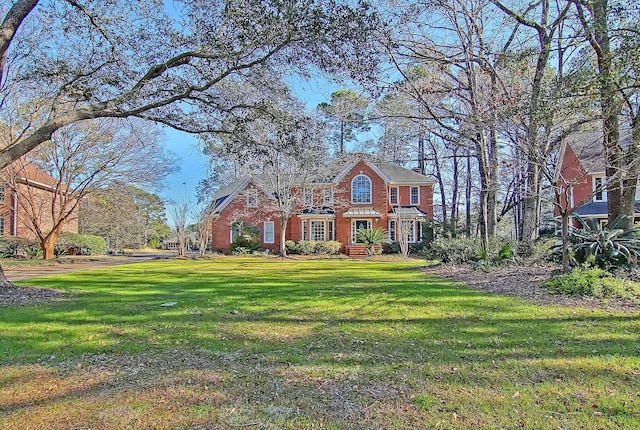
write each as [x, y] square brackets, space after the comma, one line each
[599, 189]
[361, 189]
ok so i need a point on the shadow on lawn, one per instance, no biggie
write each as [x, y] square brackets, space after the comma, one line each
[377, 313]
[394, 331]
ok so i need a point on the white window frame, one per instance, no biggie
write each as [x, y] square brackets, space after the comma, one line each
[370, 199]
[231, 233]
[603, 188]
[328, 197]
[3, 191]
[392, 230]
[269, 228]
[393, 201]
[2, 223]
[312, 232]
[303, 230]
[331, 229]
[308, 196]
[417, 196]
[252, 198]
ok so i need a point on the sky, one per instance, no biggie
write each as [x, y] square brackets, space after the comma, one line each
[193, 164]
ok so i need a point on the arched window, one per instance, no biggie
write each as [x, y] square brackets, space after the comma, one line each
[361, 189]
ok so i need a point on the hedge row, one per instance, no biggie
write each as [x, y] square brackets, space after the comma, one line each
[313, 247]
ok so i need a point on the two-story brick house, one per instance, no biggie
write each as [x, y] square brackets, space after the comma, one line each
[361, 195]
[582, 172]
[27, 192]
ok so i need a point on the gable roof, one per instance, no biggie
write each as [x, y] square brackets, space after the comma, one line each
[400, 175]
[226, 194]
[29, 174]
[389, 172]
[588, 147]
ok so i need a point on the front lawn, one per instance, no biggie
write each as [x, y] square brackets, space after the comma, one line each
[333, 344]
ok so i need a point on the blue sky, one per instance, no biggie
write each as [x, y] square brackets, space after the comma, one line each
[193, 164]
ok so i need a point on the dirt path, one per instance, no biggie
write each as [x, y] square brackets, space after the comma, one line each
[76, 265]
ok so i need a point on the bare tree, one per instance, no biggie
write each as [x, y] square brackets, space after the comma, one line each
[179, 212]
[204, 228]
[122, 59]
[81, 159]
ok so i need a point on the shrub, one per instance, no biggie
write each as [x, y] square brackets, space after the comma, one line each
[372, 238]
[536, 251]
[291, 247]
[313, 247]
[329, 247]
[499, 251]
[595, 282]
[246, 241]
[610, 246]
[84, 244]
[11, 246]
[306, 247]
[454, 251]
[391, 248]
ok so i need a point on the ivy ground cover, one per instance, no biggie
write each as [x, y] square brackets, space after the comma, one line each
[254, 342]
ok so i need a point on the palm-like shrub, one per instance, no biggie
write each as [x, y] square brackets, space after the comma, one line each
[372, 238]
[606, 247]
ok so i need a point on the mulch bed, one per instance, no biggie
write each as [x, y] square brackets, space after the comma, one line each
[525, 282]
[13, 295]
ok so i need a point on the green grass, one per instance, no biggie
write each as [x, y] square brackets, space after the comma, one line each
[332, 344]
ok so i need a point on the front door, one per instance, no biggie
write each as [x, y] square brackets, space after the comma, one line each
[356, 225]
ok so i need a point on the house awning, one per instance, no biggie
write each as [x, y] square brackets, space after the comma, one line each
[362, 212]
[407, 212]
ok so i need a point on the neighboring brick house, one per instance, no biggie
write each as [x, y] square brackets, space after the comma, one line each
[361, 195]
[25, 191]
[582, 172]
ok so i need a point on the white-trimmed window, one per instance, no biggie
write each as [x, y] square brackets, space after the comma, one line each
[1, 225]
[2, 193]
[328, 197]
[393, 195]
[361, 189]
[331, 227]
[308, 196]
[252, 198]
[304, 230]
[599, 191]
[392, 230]
[411, 232]
[415, 196]
[316, 229]
[234, 231]
[269, 232]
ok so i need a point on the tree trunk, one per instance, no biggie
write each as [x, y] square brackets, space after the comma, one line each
[48, 245]
[565, 241]
[454, 195]
[283, 236]
[467, 196]
[631, 184]
[4, 282]
[530, 219]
